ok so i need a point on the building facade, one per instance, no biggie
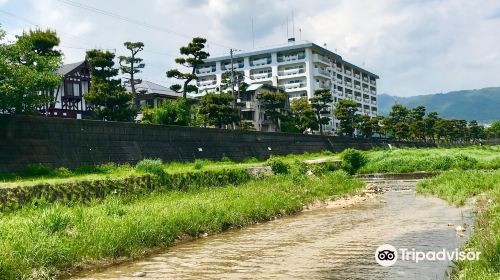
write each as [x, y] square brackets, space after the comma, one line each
[253, 111]
[299, 69]
[67, 98]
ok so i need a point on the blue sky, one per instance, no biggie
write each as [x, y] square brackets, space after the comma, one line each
[416, 47]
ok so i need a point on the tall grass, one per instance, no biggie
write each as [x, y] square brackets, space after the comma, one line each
[432, 159]
[456, 187]
[39, 242]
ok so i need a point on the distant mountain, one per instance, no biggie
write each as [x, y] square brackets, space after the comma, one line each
[482, 105]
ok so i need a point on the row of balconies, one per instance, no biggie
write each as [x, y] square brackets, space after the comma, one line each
[291, 71]
[291, 57]
[294, 85]
[206, 83]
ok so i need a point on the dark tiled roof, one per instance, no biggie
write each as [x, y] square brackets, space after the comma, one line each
[66, 68]
[153, 88]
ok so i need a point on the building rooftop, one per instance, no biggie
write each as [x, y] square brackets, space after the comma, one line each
[66, 68]
[148, 87]
[286, 47]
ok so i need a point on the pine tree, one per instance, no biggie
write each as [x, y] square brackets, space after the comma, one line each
[195, 58]
[131, 65]
[109, 99]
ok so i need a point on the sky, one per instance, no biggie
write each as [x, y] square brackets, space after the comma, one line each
[416, 47]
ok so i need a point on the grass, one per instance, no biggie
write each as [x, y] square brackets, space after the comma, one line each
[458, 186]
[41, 174]
[41, 242]
[407, 160]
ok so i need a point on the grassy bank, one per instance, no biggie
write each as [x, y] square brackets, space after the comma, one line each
[456, 187]
[39, 242]
[43, 174]
[431, 159]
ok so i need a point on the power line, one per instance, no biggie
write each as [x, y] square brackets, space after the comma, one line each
[132, 20]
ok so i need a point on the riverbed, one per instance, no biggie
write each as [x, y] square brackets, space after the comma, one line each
[322, 243]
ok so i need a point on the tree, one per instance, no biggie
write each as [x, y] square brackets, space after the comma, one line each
[195, 58]
[417, 124]
[398, 122]
[131, 65]
[429, 123]
[28, 71]
[218, 110]
[239, 81]
[273, 103]
[476, 131]
[494, 130]
[367, 126]
[303, 115]
[169, 112]
[345, 112]
[110, 100]
[320, 103]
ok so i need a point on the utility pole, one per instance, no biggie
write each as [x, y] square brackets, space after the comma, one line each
[232, 83]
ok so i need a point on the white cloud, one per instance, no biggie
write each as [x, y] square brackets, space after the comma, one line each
[415, 46]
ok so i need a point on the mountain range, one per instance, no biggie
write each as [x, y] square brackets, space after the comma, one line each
[482, 105]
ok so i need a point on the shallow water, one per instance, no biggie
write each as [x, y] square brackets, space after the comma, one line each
[318, 244]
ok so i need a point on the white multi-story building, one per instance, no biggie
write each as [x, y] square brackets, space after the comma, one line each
[300, 69]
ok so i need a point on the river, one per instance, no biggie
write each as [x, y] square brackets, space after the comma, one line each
[325, 243]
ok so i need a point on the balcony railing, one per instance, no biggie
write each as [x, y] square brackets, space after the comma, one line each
[289, 72]
[348, 95]
[365, 79]
[249, 105]
[320, 58]
[372, 82]
[357, 76]
[260, 76]
[260, 61]
[374, 102]
[293, 57]
[294, 85]
[358, 98]
[323, 85]
[348, 72]
[365, 90]
[206, 83]
[373, 92]
[235, 66]
[349, 84]
[322, 72]
[205, 70]
[357, 86]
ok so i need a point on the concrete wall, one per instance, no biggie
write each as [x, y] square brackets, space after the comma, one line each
[70, 142]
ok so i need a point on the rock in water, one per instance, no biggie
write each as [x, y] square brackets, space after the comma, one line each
[139, 274]
[460, 228]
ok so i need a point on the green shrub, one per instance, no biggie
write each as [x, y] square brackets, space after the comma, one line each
[278, 166]
[299, 167]
[198, 164]
[251, 160]
[352, 160]
[38, 169]
[225, 159]
[63, 172]
[151, 166]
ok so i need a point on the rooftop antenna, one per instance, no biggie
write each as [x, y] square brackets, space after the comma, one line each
[253, 36]
[293, 25]
[300, 34]
[287, 27]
